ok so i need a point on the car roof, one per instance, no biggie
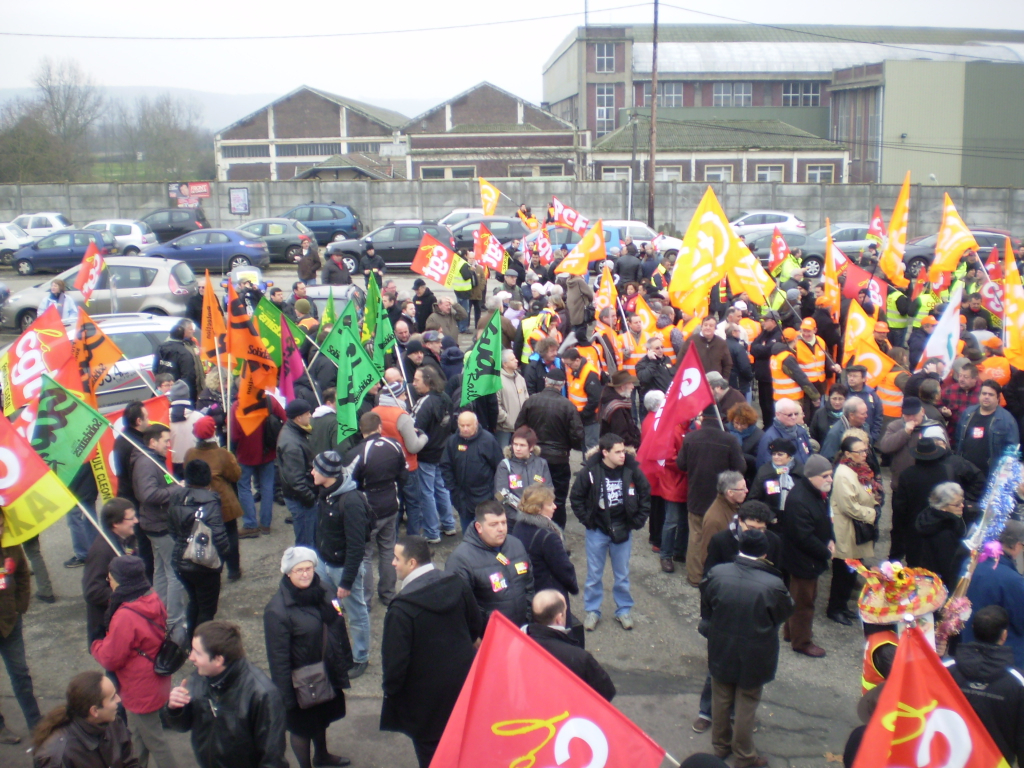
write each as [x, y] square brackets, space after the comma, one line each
[270, 220]
[765, 210]
[625, 223]
[40, 213]
[408, 222]
[485, 219]
[114, 221]
[132, 321]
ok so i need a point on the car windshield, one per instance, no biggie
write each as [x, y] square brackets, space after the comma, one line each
[144, 228]
[96, 227]
[819, 235]
[17, 231]
[928, 242]
[62, 220]
[302, 228]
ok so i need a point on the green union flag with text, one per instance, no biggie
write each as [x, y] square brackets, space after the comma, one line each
[356, 374]
[66, 430]
[481, 372]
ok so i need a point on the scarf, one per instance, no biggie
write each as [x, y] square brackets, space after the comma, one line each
[745, 433]
[121, 596]
[544, 523]
[311, 597]
[785, 482]
[865, 476]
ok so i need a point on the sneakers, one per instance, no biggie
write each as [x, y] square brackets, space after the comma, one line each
[8, 737]
[590, 621]
[452, 532]
[74, 562]
[667, 566]
[434, 541]
[626, 620]
[701, 725]
[248, 533]
[358, 670]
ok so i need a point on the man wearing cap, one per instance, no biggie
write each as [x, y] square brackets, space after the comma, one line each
[881, 336]
[583, 384]
[812, 358]
[856, 381]
[433, 345]
[294, 458]
[725, 396]
[424, 302]
[960, 392]
[509, 285]
[742, 605]
[761, 351]
[919, 337]
[446, 318]
[335, 271]
[788, 378]
[616, 412]
[987, 429]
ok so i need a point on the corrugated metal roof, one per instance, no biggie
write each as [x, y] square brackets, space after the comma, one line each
[713, 135]
[801, 57]
[360, 162]
[789, 33]
[495, 128]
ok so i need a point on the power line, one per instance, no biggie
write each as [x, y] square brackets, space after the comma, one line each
[321, 35]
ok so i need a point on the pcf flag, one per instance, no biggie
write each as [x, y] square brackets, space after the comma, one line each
[858, 280]
[687, 396]
[90, 271]
[42, 348]
[521, 707]
[66, 430]
[569, 218]
[480, 373]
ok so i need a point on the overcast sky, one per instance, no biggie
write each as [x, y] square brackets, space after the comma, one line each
[425, 66]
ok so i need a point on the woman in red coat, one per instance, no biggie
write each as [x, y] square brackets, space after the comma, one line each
[669, 484]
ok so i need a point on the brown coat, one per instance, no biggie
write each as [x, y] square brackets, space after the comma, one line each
[508, 331]
[717, 519]
[579, 297]
[225, 470]
[714, 355]
[850, 501]
[17, 590]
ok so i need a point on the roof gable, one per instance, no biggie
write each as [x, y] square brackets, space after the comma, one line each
[412, 124]
[713, 135]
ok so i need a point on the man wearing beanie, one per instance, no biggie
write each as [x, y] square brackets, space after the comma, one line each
[343, 527]
[742, 605]
[294, 459]
[809, 544]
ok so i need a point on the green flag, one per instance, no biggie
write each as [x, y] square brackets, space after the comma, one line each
[297, 332]
[377, 326]
[330, 315]
[356, 374]
[480, 374]
[268, 323]
[371, 311]
[349, 318]
[66, 430]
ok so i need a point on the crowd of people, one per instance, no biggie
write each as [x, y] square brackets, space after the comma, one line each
[776, 483]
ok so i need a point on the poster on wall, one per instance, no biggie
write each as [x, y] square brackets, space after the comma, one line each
[188, 189]
[238, 201]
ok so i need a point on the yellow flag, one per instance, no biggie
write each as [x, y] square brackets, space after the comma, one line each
[590, 248]
[649, 318]
[859, 326]
[833, 293]
[891, 260]
[710, 249]
[691, 325]
[489, 195]
[954, 239]
[748, 276]
[1013, 307]
[605, 295]
[878, 363]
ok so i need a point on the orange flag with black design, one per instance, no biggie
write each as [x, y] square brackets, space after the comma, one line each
[213, 333]
[96, 354]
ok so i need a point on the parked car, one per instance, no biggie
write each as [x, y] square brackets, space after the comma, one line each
[141, 284]
[749, 222]
[505, 228]
[616, 231]
[169, 223]
[849, 237]
[456, 215]
[761, 245]
[558, 236]
[343, 294]
[329, 222]
[131, 236]
[61, 250]
[284, 237]
[12, 238]
[396, 242]
[219, 250]
[39, 225]
[921, 250]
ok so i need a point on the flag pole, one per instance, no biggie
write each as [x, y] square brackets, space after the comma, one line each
[401, 367]
[98, 527]
[227, 403]
[140, 374]
[144, 452]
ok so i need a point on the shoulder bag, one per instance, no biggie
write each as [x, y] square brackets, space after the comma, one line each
[311, 682]
[173, 651]
[199, 549]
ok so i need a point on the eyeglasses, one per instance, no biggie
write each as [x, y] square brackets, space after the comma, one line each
[859, 450]
[779, 453]
[303, 571]
[957, 504]
[737, 490]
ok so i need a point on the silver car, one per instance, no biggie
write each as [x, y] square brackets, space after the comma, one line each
[850, 237]
[751, 222]
[151, 285]
[131, 236]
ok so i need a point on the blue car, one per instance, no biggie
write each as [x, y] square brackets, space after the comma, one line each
[61, 250]
[219, 250]
[329, 222]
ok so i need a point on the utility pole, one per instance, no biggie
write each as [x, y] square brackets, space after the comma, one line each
[654, 122]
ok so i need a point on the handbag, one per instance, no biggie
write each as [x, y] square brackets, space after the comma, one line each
[173, 651]
[866, 533]
[199, 549]
[311, 683]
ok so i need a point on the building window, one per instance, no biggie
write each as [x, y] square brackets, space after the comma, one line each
[669, 94]
[820, 174]
[801, 94]
[519, 171]
[718, 173]
[468, 172]
[668, 173]
[605, 108]
[605, 57]
[232, 151]
[733, 95]
[246, 150]
[457, 172]
[308, 150]
[770, 173]
[369, 147]
[615, 173]
[431, 173]
[551, 170]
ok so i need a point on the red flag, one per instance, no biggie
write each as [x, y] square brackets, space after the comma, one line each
[544, 249]
[920, 285]
[780, 250]
[90, 271]
[503, 717]
[569, 218]
[923, 719]
[994, 264]
[858, 279]
[158, 409]
[433, 259]
[487, 248]
[42, 348]
[688, 396]
[292, 366]
[876, 231]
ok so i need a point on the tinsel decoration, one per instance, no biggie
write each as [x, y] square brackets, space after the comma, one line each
[1000, 499]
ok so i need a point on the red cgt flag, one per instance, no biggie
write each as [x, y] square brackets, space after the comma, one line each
[876, 231]
[487, 248]
[504, 716]
[858, 280]
[922, 719]
[433, 259]
[994, 264]
[780, 250]
[89, 272]
[688, 396]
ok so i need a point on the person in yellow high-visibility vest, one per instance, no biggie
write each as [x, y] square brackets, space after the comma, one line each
[633, 343]
[607, 340]
[583, 386]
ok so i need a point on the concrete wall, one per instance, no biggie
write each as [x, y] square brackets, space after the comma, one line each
[379, 202]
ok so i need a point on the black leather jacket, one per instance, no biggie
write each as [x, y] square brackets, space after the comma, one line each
[294, 462]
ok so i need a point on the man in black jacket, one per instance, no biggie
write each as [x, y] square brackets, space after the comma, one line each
[133, 421]
[470, 459]
[343, 525]
[118, 519]
[372, 265]
[178, 357]
[550, 631]
[294, 459]
[612, 498]
[985, 673]
[432, 416]
[742, 605]
[427, 648]
[761, 349]
[653, 371]
[559, 430]
[629, 268]
[424, 301]
[234, 711]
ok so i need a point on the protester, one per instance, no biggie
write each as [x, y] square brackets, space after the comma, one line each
[829, 412]
[653, 370]
[432, 417]
[854, 416]
[468, 466]
[732, 491]
[939, 531]
[178, 356]
[583, 385]
[14, 601]
[616, 413]
[986, 430]
[788, 427]
[712, 350]
[901, 438]
[335, 271]
[58, 297]
[118, 520]
[257, 455]
[521, 468]
[774, 481]
[293, 462]
[856, 376]
[761, 350]
[545, 544]
[225, 472]
[742, 422]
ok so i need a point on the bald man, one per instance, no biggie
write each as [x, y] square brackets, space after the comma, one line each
[470, 459]
[549, 630]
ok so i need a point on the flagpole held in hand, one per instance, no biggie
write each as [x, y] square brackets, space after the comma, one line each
[140, 374]
[98, 527]
[144, 452]
[401, 367]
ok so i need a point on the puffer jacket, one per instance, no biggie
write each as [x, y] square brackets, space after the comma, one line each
[185, 503]
[294, 462]
[468, 466]
[513, 476]
[556, 422]
[225, 472]
[343, 528]
[432, 416]
[504, 587]
[378, 467]
[178, 358]
[587, 497]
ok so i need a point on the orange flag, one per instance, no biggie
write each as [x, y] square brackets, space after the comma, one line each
[213, 332]
[590, 248]
[879, 364]
[650, 319]
[1013, 309]
[606, 295]
[780, 250]
[96, 354]
[489, 196]
[954, 239]
[891, 260]
[244, 341]
[832, 294]
[90, 271]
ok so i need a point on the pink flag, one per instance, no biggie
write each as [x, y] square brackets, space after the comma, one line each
[689, 394]
[292, 366]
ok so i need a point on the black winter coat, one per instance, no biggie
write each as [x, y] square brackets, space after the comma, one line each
[424, 307]
[629, 269]
[503, 587]
[95, 587]
[704, 455]
[185, 503]
[533, 375]
[468, 468]
[557, 424]
[123, 463]
[294, 462]
[742, 370]
[176, 358]
[294, 638]
[343, 526]
[653, 374]
[324, 373]
[335, 272]
[432, 416]
[761, 349]
[806, 531]
[426, 652]
[937, 544]
[725, 545]
[379, 470]
[552, 568]
[587, 497]
[581, 663]
[616, 417]
[236, 719]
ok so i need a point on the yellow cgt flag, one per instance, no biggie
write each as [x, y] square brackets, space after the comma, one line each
[867, 353]
[605, 295]
[650, 319]
[489, 195]
[748, 276]
[891, 260]
[590, 248]
[954, 239]
[1013, 307]
[833, 293]
[859, 327]
[710, 249]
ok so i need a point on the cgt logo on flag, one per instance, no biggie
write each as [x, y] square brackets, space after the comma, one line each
[89, 273]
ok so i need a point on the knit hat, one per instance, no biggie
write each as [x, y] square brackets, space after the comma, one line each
[396, 389]
[205, 428]
[297, 407]
[753, 543]
[295, 555]
[329, 464]
[912, 406]
[198, 474]
[793, 294]
[782, 444]
[789, 334]
[302, 306]
[129, 572]
[179, 391]
[816, 465]
[430, 336]
[557, 374]
[414, 345]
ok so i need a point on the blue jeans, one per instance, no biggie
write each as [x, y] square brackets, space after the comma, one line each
[674, 512]
[12, 649]
[355, 608]
[435, 504]
[264, 474]
[303, 523]
[464, 324]
[411, 494]
[599, 547]
[82, 531]
[504, 439]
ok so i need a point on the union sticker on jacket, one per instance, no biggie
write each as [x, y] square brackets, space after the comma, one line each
[522, 567]
[498, 582]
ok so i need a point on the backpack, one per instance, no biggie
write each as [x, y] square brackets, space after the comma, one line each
[271, 429]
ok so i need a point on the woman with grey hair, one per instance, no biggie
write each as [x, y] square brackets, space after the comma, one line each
[511, 396]
[940, 530]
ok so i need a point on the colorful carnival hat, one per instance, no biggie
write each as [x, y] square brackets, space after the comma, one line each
[892, 591]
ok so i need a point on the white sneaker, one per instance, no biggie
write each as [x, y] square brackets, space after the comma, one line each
[626, 620]
[590, 621]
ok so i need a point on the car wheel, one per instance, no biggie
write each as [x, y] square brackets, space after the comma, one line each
[25, 319]
[915, 266]
[293, 254]
[24, 267]
[339, 236]
[672, 254]
[238, 261]
[350, 264]
[131, 251]
[156, 311]
[6, 257]
[813, 266]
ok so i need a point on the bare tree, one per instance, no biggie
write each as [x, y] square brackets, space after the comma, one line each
[29, 151]
[71, 103]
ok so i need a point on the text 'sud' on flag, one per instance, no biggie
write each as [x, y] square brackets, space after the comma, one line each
[31, 495]
[481, 375]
